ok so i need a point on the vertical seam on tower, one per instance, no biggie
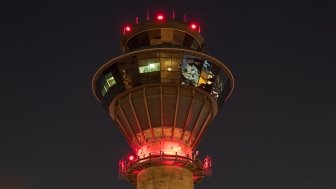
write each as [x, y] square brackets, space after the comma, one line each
[136, 117]
[124, 132]
[176, 109]
[185, 122]
[148, 117]
[196, 141]
[198, 118]
[123, 114]
[161, 105]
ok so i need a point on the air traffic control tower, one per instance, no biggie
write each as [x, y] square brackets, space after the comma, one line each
[162, 93]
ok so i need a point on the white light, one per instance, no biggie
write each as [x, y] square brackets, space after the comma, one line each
[151, 65]
[169, 69]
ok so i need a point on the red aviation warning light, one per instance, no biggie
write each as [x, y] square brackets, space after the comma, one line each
[160, 17]
[195, 26]
[131, 157]
[128, 28]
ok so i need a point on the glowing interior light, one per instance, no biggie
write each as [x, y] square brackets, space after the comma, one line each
[151, 65]
[169, 69]
[131, 158]
[128, 28]
[160, 17]
[193, 26]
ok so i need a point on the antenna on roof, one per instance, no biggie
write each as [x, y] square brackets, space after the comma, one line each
[137, 20]
[173, 14]
[185, 18]
[147, 14]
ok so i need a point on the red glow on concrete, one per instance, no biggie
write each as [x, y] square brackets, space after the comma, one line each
[164, 147]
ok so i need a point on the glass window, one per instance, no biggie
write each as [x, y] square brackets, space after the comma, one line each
[177, 55]
[191, 68]
[164, 66]
[149, 55]
[218, 85]
[166, 63]
[151, 67]
[133, 43]
[143, 39]
[188, 40]
[176, 64]
[167, 35]
[206, 79]
[178, 37]
[165, 54]
[155, 37]
[109, 82]
[195, 45]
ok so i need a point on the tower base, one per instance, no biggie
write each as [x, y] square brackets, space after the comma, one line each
[165, 177]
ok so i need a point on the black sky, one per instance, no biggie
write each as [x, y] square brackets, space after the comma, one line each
[276, 131]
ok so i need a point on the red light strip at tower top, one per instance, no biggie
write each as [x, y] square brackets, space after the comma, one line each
[162, 93]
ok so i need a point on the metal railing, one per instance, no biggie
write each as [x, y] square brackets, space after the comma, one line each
[128, 169]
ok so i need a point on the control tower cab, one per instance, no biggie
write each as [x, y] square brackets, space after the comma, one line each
[162, 93]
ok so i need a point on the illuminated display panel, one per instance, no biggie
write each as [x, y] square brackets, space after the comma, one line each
[165, 67]
[151, 67]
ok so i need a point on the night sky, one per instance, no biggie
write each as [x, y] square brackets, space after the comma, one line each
[276, 131]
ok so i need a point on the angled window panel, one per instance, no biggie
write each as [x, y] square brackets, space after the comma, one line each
[133, 43]
[128, 70]
[166, 64]
[185, 100]
[138, 100]
[154, 105]
[169, 105]
[108, 82]
[220, 84]
[206, 78]
[128, 112]
[143, 39]
[155, 37]
[191, 70]
[167, 35]
[188, 40]
[195, 45]
[178, 37]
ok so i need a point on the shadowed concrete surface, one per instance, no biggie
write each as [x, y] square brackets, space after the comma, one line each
[165, 177]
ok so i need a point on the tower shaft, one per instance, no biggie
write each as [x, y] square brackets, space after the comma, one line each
[165, 177]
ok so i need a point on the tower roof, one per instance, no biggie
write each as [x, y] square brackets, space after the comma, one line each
[154, 34]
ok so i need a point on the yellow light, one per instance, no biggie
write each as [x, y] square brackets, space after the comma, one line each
[169, 69]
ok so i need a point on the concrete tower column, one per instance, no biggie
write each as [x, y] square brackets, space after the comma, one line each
[165, 177]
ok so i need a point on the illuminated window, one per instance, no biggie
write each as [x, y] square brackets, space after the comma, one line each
[152, 67]
[206, 79]
[108, 83]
